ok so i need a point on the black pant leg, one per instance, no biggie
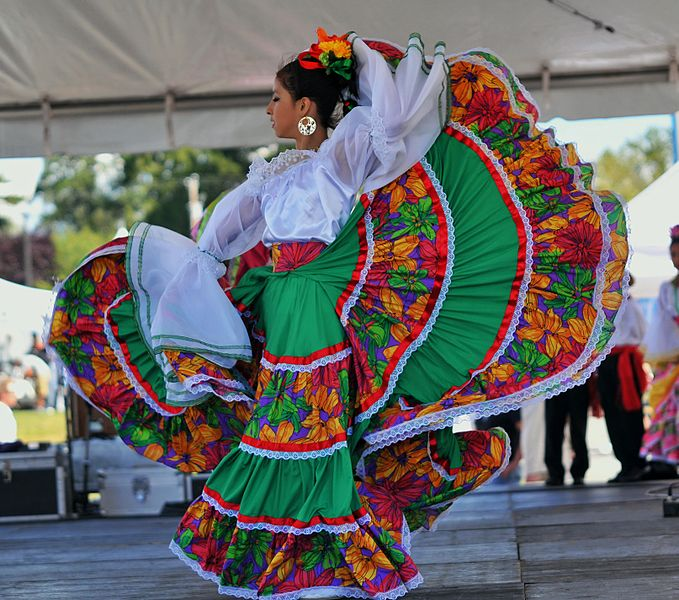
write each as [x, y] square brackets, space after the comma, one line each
[634, 433]
[625, 429]
[578, 408]
[608, 384]
[556, 410]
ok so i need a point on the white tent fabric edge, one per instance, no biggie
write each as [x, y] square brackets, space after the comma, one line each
[138, 75]
[651, 214]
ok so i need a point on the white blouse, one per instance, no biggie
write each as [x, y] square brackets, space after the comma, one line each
[661, 342]
[630, 325]
[300, 195]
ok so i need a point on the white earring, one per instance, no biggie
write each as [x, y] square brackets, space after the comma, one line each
[306, 125]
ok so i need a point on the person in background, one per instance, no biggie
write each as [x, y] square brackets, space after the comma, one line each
[622, 382]
[660, 444]
[533, 442]
[8, 427]
[573, 406]
[38, 347]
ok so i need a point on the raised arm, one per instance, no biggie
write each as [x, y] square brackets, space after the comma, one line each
[399, 116]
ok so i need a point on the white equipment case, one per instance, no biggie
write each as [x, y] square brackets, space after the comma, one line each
[139, 491]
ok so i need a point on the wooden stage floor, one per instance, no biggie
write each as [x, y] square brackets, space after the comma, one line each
[599, 542]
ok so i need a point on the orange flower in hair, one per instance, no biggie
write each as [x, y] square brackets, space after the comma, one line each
[332, 53]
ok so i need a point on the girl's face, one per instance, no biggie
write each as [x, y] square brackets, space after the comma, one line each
[674, 255]
[284, 112]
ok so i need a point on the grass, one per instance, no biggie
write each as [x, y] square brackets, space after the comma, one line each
[40, 426]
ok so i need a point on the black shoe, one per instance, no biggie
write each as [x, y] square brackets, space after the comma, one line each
[658, 470]
[553, 482]
[631, 475]
[617, 478]
[578, 481]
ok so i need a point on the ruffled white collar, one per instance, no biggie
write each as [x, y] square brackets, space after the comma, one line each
[262, 171]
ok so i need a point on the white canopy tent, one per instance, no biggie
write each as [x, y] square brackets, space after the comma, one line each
[88, 76]
[651, 214]
[22, 313]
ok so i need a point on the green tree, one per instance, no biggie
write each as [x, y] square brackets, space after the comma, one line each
[636, 164]
[153, 184]
[76, 196]
[70, 247]
[90, 197]
[5, 223]
[87, 192]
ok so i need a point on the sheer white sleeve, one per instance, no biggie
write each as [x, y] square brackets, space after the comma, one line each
[399, 116]
[180, 303]
[236, 225]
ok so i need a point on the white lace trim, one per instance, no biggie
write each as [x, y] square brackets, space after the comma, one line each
[118, 351]
[378, 137]
[604, 228]
[114, 249]
[228, 397]
[406, 537]
[658, 457]
[443, 292]
[479, 60]
[345, 592]
[282, 455]
[200, 382]
[53, 354]
[370, 252]
[206, 262]
[319, 362]
[336, 529]
[261, 171]
[194, 380]
[525, 282]
[179, 553]
[437, 467]
[229, 512]
[263, 525]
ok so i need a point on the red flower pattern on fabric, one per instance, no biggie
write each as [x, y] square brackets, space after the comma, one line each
[487, 108]
[581, 244]
[292, 255]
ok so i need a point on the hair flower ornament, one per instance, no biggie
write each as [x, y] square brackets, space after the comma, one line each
[674, 232]
[331, 52]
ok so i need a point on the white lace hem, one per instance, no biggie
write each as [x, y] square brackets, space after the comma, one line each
[345, 592]
[283, 455]
[370, 252]
[319, 362]
[263, 525]
[120, 355]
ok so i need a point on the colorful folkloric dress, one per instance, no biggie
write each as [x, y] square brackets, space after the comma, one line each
[438, 256]
[661, 349]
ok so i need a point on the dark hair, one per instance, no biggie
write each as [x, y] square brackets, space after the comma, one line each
[326, 90]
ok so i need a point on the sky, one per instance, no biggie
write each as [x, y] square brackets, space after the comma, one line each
[591, 136]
